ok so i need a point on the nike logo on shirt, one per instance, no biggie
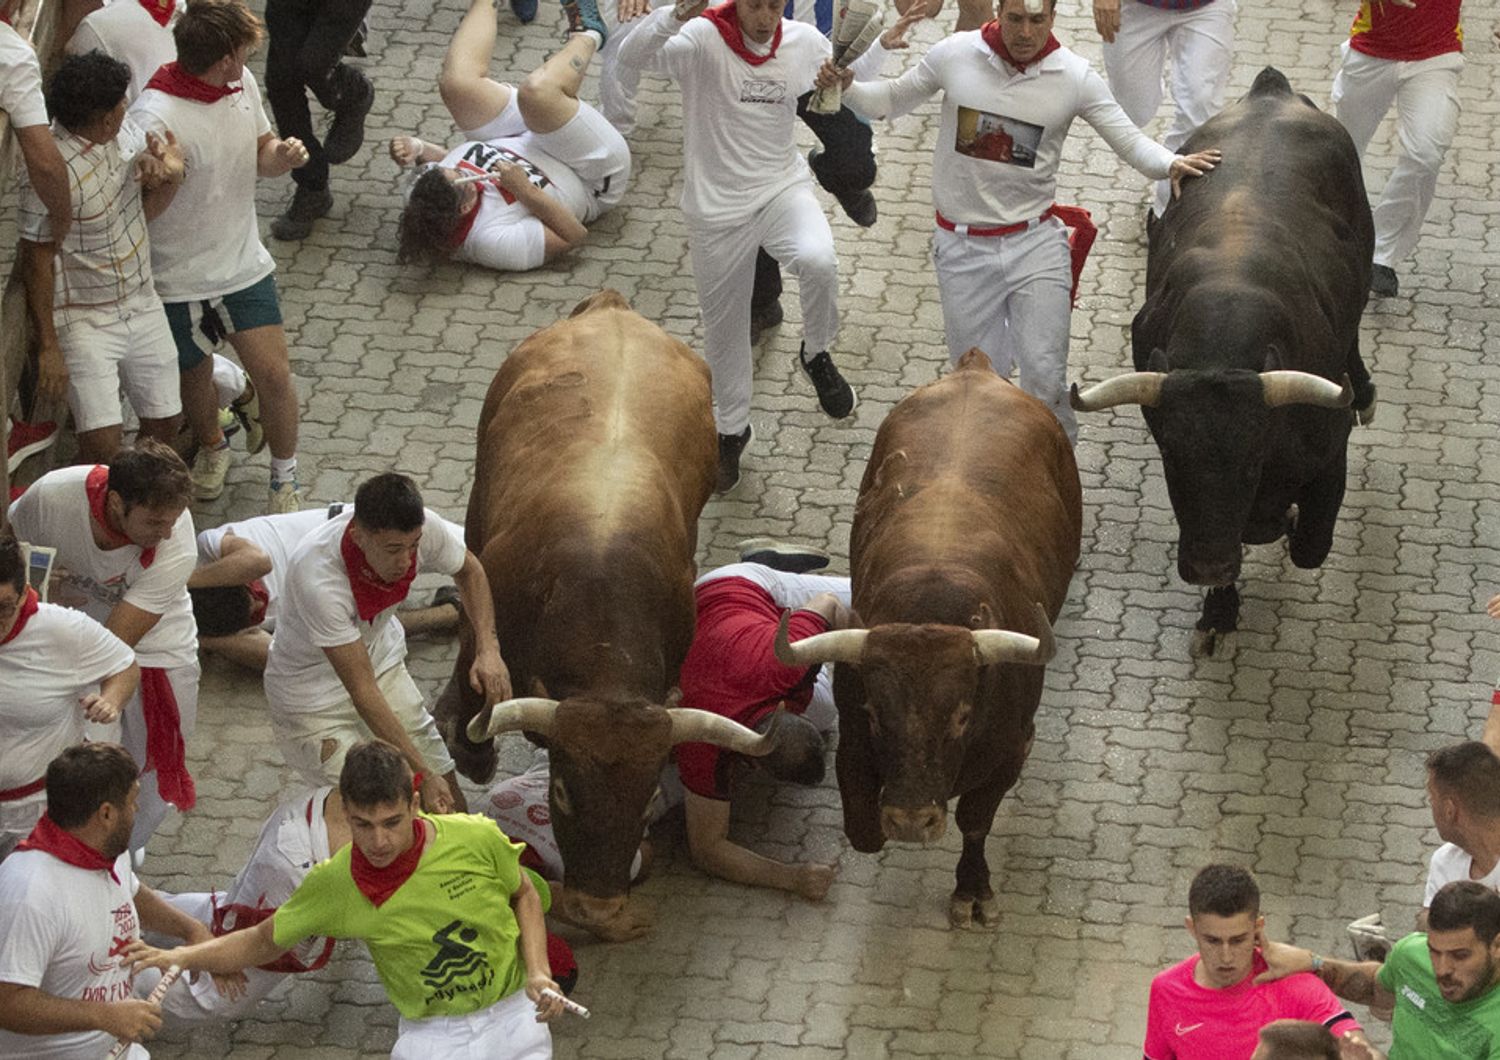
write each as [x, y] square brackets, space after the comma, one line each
[1181, 1030]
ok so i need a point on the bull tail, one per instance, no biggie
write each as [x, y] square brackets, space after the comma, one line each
[1271, 81]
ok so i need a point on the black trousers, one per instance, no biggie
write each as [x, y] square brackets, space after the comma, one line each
[845, 166]
[307, 41]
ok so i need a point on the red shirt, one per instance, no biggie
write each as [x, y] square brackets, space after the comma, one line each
[731, 669]
[1388, 31]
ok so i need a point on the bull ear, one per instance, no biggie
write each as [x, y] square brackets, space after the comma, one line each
[983, 618]
[1275, 359]
[890, 467]
[674, 698]
[539, 690]
[1158, 362]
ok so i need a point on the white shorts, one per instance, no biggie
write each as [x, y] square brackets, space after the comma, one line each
[587, 144]
[302, 736]
[507, 1030]
[115, 347]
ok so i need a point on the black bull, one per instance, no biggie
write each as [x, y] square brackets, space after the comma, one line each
[1247, 348]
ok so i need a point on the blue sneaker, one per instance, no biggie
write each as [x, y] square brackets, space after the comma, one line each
[525, 10]
[584, 15]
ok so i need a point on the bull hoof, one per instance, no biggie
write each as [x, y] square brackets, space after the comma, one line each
[1211, 644]
[987, 911]
[964, 912]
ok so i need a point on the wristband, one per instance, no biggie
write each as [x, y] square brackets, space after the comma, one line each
[1317, 963]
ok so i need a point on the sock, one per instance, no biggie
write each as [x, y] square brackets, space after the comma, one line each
[806, 357]
[598, 38]
[283, 470]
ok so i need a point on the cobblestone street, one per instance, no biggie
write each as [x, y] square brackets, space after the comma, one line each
[1300, 754]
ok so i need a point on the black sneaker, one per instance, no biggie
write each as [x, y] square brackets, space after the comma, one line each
[347, 133]
[584, 15]
[730, 448]
[764, 319]
[782, 555]
[307, 205]
[860, 207]
[1383, 282]
[834, 394]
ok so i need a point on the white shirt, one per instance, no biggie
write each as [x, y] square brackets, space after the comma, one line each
[1449, 863]
[20, 81]
[738, 121]
[207, 243]
[320, 613]
[63, 931]
[505, 234]
[277, 536]
[124, 30]
[60, 657]
[1022, 118]
[55, 512]
[104, 259]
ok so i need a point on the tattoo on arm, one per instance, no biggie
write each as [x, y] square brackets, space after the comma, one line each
[1350, 981]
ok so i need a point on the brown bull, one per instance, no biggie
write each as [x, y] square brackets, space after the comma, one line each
[596, 453]
[964, 541]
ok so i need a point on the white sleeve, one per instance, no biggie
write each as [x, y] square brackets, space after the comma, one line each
[1143, 154]
[144, 115]
[442, 547]
[262, 123]
[884, 98]
[1437, 876]
[26, 517]
[21, 83]
[166, 579]
[509, 248]
[97, 653]
[27, 940]
[85, 39]
[868, 66]
[658, 46]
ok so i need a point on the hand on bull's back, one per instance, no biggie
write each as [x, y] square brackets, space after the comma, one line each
[1193, 165]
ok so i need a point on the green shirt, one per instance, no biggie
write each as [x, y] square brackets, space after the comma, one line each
[1425, 1026]
[446, 943]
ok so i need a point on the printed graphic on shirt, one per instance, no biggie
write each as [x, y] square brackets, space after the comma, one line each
[107, 965]
[457, 967]
[485, 158]
[79, 590]
[997, 138]
[762, 90]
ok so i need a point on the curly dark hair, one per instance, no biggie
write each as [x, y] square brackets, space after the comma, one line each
[85, 87]
[427, 223]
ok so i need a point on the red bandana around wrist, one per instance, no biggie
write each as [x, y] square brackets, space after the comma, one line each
[727, 21]
[26, 609]
[379, 884]
[97, 488]
[160, 10]
[165, 750]
[175, 81]
[990, 31]
[371, 594]
[66, 847]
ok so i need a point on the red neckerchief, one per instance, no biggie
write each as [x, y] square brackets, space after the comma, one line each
[466, 222]
[97, 488]
[165, 751]
[727, 21]
[260, 599]
[371, 594]
[175, 81]
[990, 31]
[379, 884]
[66, 847]
[28, 608]
[160, 10]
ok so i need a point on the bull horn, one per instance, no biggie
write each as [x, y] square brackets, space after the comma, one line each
[702, 726]
[1133, 388]
[531, 712]
[842, 645]
[1002, 645]
[1304, 388]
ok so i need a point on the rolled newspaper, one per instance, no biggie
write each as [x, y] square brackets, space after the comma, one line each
[568, 1004]
[856, 24]
[164, 984]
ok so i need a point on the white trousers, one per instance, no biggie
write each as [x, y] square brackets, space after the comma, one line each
[507, 1030]
[793, 230]
[1426, 97]
[151, 808]
[199, 1001]
[618, 84]
[1010, 297]
[1200, 44]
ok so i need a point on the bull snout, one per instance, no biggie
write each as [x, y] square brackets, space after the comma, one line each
[613, 919]
[925, 824]
[1209, 570]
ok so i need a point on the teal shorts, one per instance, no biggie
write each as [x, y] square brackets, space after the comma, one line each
[199, 328]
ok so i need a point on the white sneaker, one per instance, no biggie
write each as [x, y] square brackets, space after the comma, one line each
[210, 467]
[285, 497]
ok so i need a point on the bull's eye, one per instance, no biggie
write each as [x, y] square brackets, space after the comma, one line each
[560, 798]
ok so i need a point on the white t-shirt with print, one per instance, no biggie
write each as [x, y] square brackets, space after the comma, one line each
[124, 30]
[505, 234]
[20, 81]
[277, 536]
[60, 657]
[319, 612]
[207, 242]
[63, 931]
[1450, 862]
[54, 511]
